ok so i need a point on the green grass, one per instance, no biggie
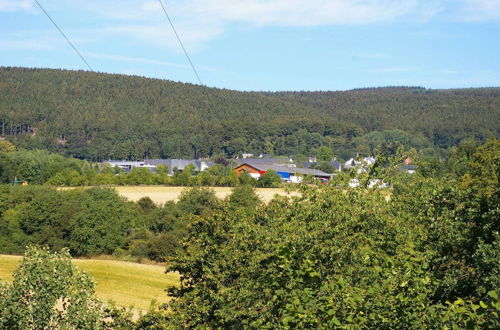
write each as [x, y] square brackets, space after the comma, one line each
[125, 283]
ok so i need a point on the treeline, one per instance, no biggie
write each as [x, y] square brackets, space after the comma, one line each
[99, 116]
[98, 221]
[42, 167]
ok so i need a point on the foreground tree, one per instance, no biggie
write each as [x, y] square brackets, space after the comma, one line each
[48, 292]
[336, 257]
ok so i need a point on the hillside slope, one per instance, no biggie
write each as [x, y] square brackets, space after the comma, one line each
[408, 108]
[98, 116]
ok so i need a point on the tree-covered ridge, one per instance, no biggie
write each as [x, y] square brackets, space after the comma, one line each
[99, 116]
[440, 115]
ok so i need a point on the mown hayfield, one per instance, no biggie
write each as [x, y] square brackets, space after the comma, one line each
[162, 194]
[125, 283]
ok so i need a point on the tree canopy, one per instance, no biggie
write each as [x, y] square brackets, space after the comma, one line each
[336, 257]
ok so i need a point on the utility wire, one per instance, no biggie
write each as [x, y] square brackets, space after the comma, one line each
[67, 39]
[180, 42]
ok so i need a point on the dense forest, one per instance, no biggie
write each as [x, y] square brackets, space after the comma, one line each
[98, 116]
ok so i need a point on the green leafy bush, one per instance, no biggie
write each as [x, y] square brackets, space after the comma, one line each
[102, 223]
[426, 256]
[48, 292]
[270, 179]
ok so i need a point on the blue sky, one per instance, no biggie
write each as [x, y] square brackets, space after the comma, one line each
[265, 44]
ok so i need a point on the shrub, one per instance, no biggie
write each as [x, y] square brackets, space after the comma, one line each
[244, 197]
[197, 200]
[49, 292]
[270, 179]
[102, 223]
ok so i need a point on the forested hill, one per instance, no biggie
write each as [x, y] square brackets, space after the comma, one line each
[99, 116]
[413, 109]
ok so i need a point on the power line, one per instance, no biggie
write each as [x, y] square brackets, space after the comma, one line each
[180, 42]
[67, 39]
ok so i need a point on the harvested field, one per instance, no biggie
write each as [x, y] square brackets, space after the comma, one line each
[162, 194]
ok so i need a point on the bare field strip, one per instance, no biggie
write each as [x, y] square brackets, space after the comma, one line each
[127, 284]
[162, 194]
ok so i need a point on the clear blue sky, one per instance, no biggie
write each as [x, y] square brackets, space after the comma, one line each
[265, 44]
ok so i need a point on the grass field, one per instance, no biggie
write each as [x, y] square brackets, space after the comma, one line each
[162, 194]
[127, 284]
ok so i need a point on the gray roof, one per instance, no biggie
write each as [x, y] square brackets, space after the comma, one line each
[263, 161]
[180, 164]
[157, 162]
[334, 163]
[124, 163]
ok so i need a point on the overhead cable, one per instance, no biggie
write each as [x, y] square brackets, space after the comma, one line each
[180, 41]
[65, 37]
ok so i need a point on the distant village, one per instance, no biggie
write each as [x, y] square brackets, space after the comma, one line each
[289, 170]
